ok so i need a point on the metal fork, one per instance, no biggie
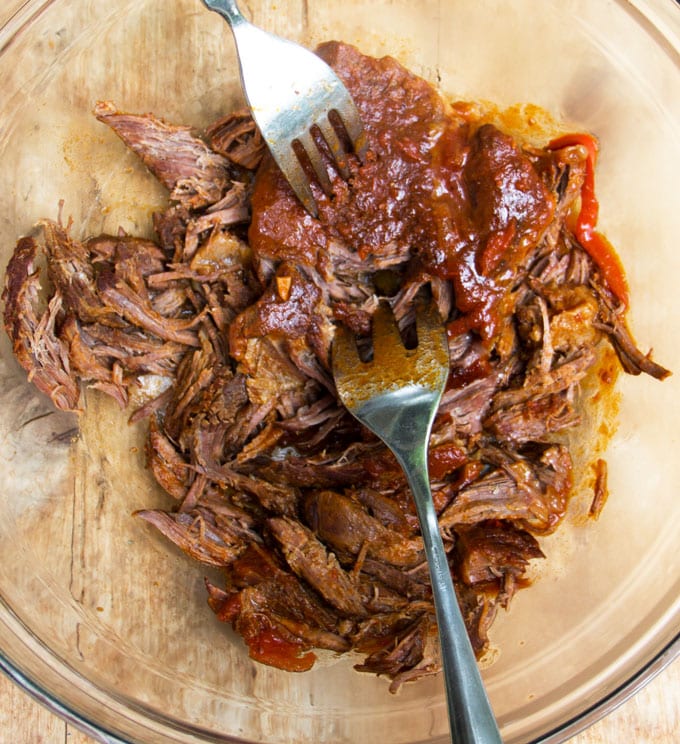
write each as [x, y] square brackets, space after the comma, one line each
[290, 92]
[396, 396]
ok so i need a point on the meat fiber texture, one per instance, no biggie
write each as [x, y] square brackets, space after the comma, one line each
[234, 305]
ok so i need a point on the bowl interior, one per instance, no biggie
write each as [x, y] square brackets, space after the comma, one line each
[108, 619]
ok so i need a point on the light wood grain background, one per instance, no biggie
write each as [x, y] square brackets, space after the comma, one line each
[650, 717]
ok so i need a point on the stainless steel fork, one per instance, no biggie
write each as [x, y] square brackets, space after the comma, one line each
[290, 92]
[396, 396]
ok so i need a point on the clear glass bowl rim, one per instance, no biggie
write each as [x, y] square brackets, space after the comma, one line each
[579, 723]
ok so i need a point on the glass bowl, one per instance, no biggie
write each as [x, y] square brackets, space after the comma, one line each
[107, 623]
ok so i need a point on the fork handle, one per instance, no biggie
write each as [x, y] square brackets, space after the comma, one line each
[228, 10]
[470, 715]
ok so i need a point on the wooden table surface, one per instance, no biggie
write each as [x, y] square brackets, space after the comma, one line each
[650, 717]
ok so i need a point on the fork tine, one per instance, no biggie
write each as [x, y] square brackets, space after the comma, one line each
[427, 317]
[312, 151]
[387, 342]
[291, 167]
[334, 145]
[432, 338]
[345, 353]
[349, 115]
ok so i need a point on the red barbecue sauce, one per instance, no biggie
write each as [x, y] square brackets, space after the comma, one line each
[463, 201]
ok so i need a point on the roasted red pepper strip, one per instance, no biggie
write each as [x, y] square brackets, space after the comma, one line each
[598, 247]
[444, 459]
[270, 648]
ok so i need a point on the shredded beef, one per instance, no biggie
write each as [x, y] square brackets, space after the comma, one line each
[33, 333]
[196, 175]
[234, 305]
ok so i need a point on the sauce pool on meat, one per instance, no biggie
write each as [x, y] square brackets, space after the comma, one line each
[234, 305]
[463, 201]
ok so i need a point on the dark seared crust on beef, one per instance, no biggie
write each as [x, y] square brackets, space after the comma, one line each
[306, 514]
[33, 332]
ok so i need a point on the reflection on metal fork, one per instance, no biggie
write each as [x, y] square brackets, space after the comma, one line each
[291, 92]
[396, 396]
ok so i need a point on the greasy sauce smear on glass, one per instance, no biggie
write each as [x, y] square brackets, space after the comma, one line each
[234, 305]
